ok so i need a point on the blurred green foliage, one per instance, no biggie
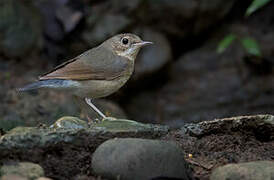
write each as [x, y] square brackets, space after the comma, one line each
[223, 45]
[255, 5]
[250, 44]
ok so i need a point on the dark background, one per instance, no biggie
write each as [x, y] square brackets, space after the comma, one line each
[181, 78]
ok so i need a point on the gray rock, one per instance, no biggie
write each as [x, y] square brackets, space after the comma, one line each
[105, 27]
[13, 177]
[139, 159]
[69, 122]
[186, 17]
[28, 170]
[257, 170]
[261, 125]
[22, 138]
[32, 110]
[49, 9]
[70, 18]
[20, 28]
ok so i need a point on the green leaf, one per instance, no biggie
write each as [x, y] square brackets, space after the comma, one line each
[251, 46]
[223, 45]
[255, 5]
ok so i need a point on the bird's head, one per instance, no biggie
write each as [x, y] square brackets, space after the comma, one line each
[126, 45]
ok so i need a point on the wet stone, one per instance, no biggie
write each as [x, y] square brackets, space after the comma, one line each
[133, 158]
[74, 130]
[69, 122]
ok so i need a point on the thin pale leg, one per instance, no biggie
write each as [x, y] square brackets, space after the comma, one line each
[88, 101]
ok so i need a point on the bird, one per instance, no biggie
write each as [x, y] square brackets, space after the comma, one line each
[97, 72]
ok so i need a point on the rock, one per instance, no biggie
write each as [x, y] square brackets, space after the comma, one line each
[28, 170]
[187, 17]
[69, 122]
[20, 28]
[70, 148]
[124, 125]
[26, 137]
[32, 110]
[13, 177]
[105, 27]
[262, 126]
[152, 59]
[52, 28]
[257, 170]
[69, 17]
[131, 158]
[43, 178]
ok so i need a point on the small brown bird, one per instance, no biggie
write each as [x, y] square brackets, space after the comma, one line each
[97, 72]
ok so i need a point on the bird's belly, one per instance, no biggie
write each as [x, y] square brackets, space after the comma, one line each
[99, 88]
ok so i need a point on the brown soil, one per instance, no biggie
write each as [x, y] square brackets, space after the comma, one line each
[211, 151]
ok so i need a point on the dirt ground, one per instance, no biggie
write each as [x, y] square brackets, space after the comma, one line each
[214, 150]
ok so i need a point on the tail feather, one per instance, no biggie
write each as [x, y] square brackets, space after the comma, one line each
[51, 83]
[32, 86]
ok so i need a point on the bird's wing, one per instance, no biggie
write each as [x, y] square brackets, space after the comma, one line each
[89, 66]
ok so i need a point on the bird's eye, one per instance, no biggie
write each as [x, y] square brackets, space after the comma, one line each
[125, 41]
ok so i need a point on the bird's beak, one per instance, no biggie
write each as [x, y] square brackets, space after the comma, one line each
[143, 43]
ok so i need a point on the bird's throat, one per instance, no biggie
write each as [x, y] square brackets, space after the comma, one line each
[130, 53]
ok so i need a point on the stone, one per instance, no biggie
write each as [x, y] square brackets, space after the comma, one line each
[262, 126]
[131, 158]
[69, 17]
[187, 17]
[20, 28]
[43, 178]
[28, 170]
[13, 177]
[69, 122]
[33, 110]
[257, 170]
[105, 27]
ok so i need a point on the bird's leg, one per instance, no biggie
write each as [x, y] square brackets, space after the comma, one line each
[88, 101]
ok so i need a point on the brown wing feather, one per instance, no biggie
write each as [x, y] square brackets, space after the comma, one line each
[90, 66]
[72, 70]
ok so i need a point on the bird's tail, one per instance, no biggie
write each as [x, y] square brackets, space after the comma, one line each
[50, 83]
